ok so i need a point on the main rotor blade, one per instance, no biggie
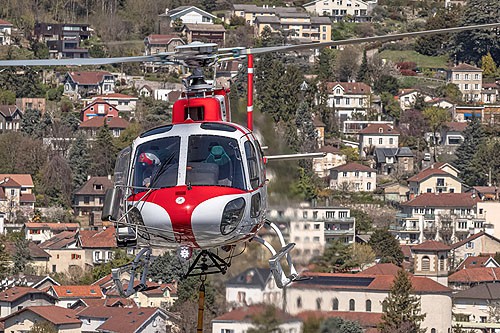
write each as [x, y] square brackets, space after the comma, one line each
[366, 39]
[83, 61]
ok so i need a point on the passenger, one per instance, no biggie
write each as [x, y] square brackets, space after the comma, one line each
[149, 163]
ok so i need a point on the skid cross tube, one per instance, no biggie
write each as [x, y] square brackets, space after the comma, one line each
[139, 261]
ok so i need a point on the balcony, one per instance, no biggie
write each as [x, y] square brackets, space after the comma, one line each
[404, 228]
[339, 232]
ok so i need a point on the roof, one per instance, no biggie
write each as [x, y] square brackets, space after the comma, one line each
[245, 314]
[470, 238]
[27, 197]
[484, 291]
[112, 122]
[88, 78]
[123, 320]
[54, 314]
[35, 251]
[353, 167]
[475, 275]
[442, 200]
[486, 189]
[15, 293]
[148, 88]
[350, 87]
[365, 282]
[406, 250]
[52, 226]
[379, 129]
[100, 302]
[252, 277]
[174, 95]
[382, 153]
[204, 27]
[3, 22]
[474, 261]
[75, 291]
[365, 319]
[9, 182]
[161, 39]
[60, 241]
[456, 126]
[98, 101]
[267, 19]
[153, 286]
[434, 169]
[114, 96]
[466, 67]
[98, 238]
[318, 123]
[330, 149]
[256, 9]
[431, 245]
[24, 179]
[381, 269]
[402, 92]
[89, 187]
[8, 110]
[180, 9]
[321, 20]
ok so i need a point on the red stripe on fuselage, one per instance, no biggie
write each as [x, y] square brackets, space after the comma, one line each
[180, 213]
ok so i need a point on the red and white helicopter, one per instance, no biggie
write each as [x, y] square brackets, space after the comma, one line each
[199, 184]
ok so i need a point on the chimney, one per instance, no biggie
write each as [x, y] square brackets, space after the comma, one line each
[88, 177]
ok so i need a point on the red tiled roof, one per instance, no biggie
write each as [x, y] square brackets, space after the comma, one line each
[472, 262]
[402, 92]
[8, 110]
[105, 302]
[245, 314]
[456, 126]
[75, 291]
[330, 149]
[88, 78]
[54, 314]
[3, 22]
[486, 189]
[98, 238]
[123, 320]
[112, 122]
[431, 245]
[15, 293]
[59, 241]
[22, 178]
[350, 87]
[149, 284]
[353, 167]
[365, 319]
[114, 96]
[89, 188]
[53, 226]
[375, 129]
[381, 269]
[27, 197]
[466, 67]
[474, 275]
[442, 200]
[406, 250]
[147, 87]
[161, 39]
[9, 182]
[470, 238]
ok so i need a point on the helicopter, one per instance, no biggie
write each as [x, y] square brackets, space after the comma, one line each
[198, 185]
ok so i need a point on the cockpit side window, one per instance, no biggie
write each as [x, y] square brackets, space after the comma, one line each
[121, 167]
[214, 161]
[253, 165]
[156, 163]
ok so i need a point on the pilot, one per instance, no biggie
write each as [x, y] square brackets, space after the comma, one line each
[149, 163]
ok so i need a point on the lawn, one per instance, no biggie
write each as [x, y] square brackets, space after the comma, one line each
[422, 61]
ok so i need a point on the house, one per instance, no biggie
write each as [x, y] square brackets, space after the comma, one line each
[67, 295]
[377, 136]
[122, 102]
[115, 124]
[38, 261]
[186, 14]
[408, 97]
[451, 134]
[320, 131]
[474, 246]
[354, 126]
[16, 200]
[353, 177]
[63, 320]
[146, 91]
[479, 261]
[66, 253]
[82, 84]
[466, 278]
[253, 286]
[491, 114]
[63, 40]
[360, 293]
[101, 302]
[10, 118]
[486, 193]
[154, 44]
[89, 198]
[164, 296]
[251, 12]
[209, 33]
[394, 160]
[27, 103]
[431, 259]
[240, 320]
[34, 281]
[395, 192]
[353, 11]
[39, 232]
[98, 108]
[334, 157]
[16, 298]
[98, 244]
[489, 94]
[464, 113]
[469, 80]
[472, 307]
[438, 178]
[349, 98]
[5, 32]
[302, 26]
[441, 102]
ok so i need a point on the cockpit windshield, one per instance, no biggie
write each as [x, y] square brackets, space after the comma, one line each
[214, 160]
[157, 162]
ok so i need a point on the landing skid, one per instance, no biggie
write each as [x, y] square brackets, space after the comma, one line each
[141, 260]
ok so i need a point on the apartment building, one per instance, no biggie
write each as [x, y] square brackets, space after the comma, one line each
[438, 178]
[334, 157]
[469, 80]
[342, 10]
[353, 177]
[63, 40]
[472, 307]
[251, 12]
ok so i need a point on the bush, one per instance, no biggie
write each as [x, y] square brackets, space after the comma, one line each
[406, 72]
[409, 65]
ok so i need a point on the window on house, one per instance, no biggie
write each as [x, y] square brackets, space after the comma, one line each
[466, 76]
[441, 263]
[347, 101]
[352, 305]
[330, 214]
[380, 141]
[426, 263]
[466, 86]
[86, 200]
[335, 304]
[316, 226]
[368, 186]
[476, 76]
[299, 302]
[368, 305]
[344, 174]
[318, 303]
[457, 76]
[304, 214]
[391, 141]
[476, 86]
[12, 192]
[440, 182]
[356, 174]
[370, 141]
[316, 239]
[315, 215]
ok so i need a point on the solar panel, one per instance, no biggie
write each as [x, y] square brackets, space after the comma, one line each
[340, 281]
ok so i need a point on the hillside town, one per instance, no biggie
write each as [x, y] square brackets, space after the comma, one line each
[394, 225]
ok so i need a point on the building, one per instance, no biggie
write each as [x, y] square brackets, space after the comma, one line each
[39, 282]
[474, 246]
[154, 44]
[353, 177]
[353, 11]
[469, 80]
[98, 244]
[489, 95]
[466, 278]
[479, 261]
[472, 307]
[209, 33]
[38, 261]
[186, 14]
[354, 126]
[63, 40]
[361, 293]
[146, 91]
[122, 102]
[63, 320]
[17, 201]
[349, 98]
[66, 253]
[115, 124]
[438, 178]
[466, 112]
[98, 108]
[395, 192]
[82, 84]
[441, 102]
[27, 103]
[40, 232]
[408, 97]
[398, 161]
[89, 198]
[430, 259]
[451, 134]
[16, 298]
[251, 12]
[5, 32]
[334, 157]
[67, 295]
[10, 118]
[377, 136]
[240, 320]
[296, 25]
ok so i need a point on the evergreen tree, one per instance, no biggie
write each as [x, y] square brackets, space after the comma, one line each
[188, 290]
[266, 322]
[364, 71]
[103, 153]
[45, 124]
[79, 159]
[339, 325]
[306, 129]
[326, 63]
[71, 121]
[419, 103]
[4, 258]
[401, 308]
[21, 255]
[271, 100]
[474, 137]
[435, 45]
[30, 124]
[209, 5]
[292, 79]
[337, 257]
[166, 268]
[488, 66]
[386, 247]
[386, 83]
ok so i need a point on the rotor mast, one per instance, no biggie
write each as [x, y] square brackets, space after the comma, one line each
[250, 92]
